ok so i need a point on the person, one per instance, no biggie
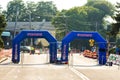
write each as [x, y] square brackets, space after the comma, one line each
[69, 50]
[40, 50]
[32, 50]
[93, 49]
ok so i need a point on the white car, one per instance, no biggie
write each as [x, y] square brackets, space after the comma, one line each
[25, 49]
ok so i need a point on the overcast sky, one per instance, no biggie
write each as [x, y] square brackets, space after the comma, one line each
[60, 4]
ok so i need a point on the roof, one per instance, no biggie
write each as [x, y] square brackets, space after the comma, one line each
[26, 26]
[5, 34]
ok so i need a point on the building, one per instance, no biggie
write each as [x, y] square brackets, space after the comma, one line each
[15, 28]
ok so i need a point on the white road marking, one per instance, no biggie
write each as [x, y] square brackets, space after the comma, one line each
[79, 74]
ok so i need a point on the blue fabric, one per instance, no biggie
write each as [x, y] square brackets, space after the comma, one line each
[102, 43]
[34, 34]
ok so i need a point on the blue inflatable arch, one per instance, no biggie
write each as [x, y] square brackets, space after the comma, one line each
[84, 35]
[34, 34]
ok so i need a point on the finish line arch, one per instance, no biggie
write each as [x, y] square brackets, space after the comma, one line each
[34, 34]
[84, 35]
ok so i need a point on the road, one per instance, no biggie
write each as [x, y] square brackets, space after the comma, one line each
[37, 67]
[90, 68]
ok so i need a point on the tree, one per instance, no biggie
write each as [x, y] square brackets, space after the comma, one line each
[85, 18]
[23, 11]
[30, 11]
[0, 9]
[59, 22]
[116, 26]
[2, 27]
[15, 8]
[46, 10]
[106, 7]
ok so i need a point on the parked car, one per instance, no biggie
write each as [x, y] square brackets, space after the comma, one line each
[25, 49]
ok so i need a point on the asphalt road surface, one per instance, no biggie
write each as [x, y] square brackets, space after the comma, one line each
[93, 71]
[37, 67]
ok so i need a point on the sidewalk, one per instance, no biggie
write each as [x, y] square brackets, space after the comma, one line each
[4, 54]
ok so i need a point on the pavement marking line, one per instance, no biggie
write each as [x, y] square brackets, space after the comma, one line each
[79, 74]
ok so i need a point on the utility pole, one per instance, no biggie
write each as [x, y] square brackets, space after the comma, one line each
[30, 20]
[30, 26]
[17, 12]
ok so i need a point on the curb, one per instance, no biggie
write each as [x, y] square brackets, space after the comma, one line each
[3, 59]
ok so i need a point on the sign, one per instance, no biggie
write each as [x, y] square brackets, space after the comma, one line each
[64, 52]
[16, 55]
[91, 42]
[84, 35]
[34, 34]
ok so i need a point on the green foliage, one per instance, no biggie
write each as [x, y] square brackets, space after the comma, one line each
[38, 11]
[106, 7]
[2, 27]
[116, 26]
[112, 50]
[46, 10]
[118, 43]
[60, 23]
[15, 8]
[1, 43]
[86, 18]
[2, 23]
[29, 11]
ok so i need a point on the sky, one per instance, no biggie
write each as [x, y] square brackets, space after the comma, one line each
[60, 4]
